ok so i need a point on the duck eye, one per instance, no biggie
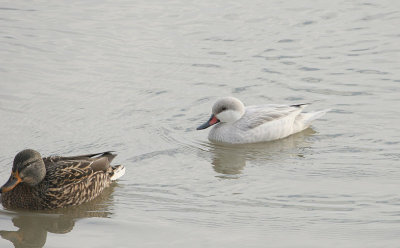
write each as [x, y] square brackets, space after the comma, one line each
[223, 109]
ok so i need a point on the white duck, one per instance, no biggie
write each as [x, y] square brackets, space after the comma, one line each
[237, 124]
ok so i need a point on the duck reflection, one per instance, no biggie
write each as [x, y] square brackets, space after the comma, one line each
[230, 160]
[34, 226]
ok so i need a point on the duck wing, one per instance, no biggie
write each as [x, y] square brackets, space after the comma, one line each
[97, 161]
[109, 155]
[258, 115]
[77, 168]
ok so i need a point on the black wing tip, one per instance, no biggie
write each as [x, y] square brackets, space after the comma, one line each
[299, 105]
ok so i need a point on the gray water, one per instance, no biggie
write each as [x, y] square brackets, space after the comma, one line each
[138, 77]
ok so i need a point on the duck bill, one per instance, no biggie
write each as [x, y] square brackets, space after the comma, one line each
[13, 181]
[213, 120]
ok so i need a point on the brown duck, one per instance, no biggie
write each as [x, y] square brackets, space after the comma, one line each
[55, 182]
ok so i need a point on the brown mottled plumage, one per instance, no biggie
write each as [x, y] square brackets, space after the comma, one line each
[64, 181]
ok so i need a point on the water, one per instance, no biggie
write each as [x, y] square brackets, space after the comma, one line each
[138, 77]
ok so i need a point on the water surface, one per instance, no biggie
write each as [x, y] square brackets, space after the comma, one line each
[138, 77]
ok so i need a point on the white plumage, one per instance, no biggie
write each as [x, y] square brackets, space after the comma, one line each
[237, 124]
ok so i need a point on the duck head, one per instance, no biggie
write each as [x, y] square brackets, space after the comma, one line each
[225, 110]
[28, 167]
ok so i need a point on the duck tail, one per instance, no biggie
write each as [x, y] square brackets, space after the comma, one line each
[304, 120]
[307, 118]
[117, 172]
